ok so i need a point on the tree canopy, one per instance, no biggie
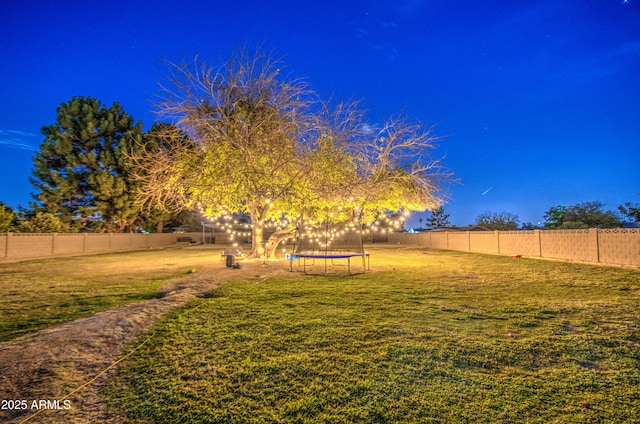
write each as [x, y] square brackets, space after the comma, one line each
[630, 211]
[502, 221]
[44, 222]
[8, 218]
[266, 146]
[581, 216]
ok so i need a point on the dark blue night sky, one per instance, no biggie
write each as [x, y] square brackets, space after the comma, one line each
[539, 100]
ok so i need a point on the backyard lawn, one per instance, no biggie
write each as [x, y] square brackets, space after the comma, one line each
[424, 337]
[36, 294]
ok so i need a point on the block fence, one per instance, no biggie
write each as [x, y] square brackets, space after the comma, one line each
[616, 247]
[33, 245]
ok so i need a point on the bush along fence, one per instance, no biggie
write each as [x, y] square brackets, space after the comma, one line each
[31, 245]
[617, 247]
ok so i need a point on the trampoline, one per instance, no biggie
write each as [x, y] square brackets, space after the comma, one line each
[329, 243]
[331, 256]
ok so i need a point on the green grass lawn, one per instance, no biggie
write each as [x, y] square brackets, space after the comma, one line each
[39, 293]
[440, 337]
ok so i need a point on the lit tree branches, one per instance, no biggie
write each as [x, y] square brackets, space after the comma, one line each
[244, 139]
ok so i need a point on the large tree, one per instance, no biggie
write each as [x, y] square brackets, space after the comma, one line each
[245, 127]
[581, 216]
[502, 221]
[438, 219]
[630, 211]
[145, 156]
[355, 173]
[79, 171]
[264, 145]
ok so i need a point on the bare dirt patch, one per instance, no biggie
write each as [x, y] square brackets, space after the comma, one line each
[54, 362]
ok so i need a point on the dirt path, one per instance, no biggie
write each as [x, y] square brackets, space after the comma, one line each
[50, 364]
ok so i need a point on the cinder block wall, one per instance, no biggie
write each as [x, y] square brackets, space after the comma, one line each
[525, 243]
[484, 242]
[610, 247]
[458, 241]
[28, 246]
[620, 246]
[440, 240]
[96, 243]
[574, 245]
[24, 245]
[67, 244]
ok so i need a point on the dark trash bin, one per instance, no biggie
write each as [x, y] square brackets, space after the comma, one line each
[230, 255]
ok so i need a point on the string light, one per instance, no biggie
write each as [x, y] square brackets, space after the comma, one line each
[319, 232]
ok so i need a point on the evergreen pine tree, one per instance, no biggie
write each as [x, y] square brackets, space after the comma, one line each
[438, 219]
[79, 171]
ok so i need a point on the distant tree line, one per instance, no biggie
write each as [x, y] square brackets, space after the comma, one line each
[578, 216]
[581, 216]
[502, 221]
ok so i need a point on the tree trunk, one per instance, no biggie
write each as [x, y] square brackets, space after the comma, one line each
[257, 247]
[120, 226]
[257, 234]
[274, 241]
